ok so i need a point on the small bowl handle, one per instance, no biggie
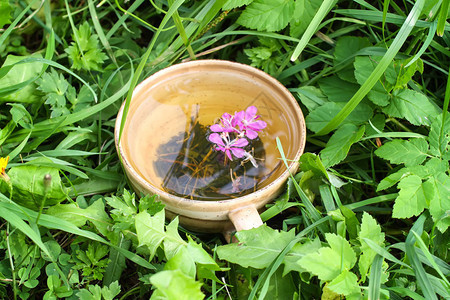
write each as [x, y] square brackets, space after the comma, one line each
[245, 218]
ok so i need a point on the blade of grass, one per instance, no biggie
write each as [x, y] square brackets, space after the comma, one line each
[182, 31]
[144, 59]
[324, 9]
[123, 18]
[384, 253]
[313, 214]
[379, 69]
[377, 16]
[100, 33]
[430, 258]
[17, 222]
[72, 118]
[375, 278]
[424, 47]
[422, 278]
[14, 23]
[52, 222]
[442, 17]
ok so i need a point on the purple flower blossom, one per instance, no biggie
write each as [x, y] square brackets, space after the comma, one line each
[224, 144]
[248, 122]
[227, 124]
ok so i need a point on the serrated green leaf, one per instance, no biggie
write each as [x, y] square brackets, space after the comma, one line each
[111, 291]
[379, 94]
[437, 189]
[339, 144]
[372, 231]
[412, 106]
[264, 15]
[182, 261]
[345, 284]
[412, 152]
[95, 213]
[328, 263]
[84, 51]
[319, 117]
[230, 4]
[297, 252]
[172, 240]
[174, 284]
[150, 230]
[257, 248]
[336, 89]
[311, 97]
[344, 52]
[5, 12]
[411, 200]
[304, 12]
[440, 144]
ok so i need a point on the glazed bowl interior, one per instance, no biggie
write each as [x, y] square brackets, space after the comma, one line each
[164, 105]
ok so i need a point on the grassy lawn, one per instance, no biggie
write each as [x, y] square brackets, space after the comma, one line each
[365, 217]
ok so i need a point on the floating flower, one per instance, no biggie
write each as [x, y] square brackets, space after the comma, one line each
[227, 124]
[224, 144]
[248, 122]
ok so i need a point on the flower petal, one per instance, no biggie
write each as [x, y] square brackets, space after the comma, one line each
[238, 152]
[240, 143]
[216, 139]
[250, 112]
[228, 153]
[257, 125]
[251, 134]
[216, 128]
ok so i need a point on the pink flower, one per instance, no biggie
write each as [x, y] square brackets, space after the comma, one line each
[224, 144]
[248, 122]
[227, 124]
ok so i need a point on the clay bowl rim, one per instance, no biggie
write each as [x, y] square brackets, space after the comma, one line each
[172, 199]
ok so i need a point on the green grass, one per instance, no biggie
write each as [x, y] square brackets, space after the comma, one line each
[370, 219]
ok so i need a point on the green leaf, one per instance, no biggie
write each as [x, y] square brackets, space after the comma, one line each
[230, 4]
[304, 12]
[150, 230]
[344, 52]
[110, 292]
[257, 247]
[339, 144]
[172, 240]
[5, 13]
[309, 161]
[297, 252]
[26, 185]
[345, 283]
[329, 262]
[437, 188]
[410, 153]
[18, 74]
[84, 51]
[336, 89]
[319, 117]
[379, 94]
[78, 216]
[372, 231]
[411, 200]
[174, 284]
[267, 15]
[412, 106]
[439, 137]
[311, 97]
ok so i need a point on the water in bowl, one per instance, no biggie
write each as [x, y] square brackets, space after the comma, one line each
[167, 137]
